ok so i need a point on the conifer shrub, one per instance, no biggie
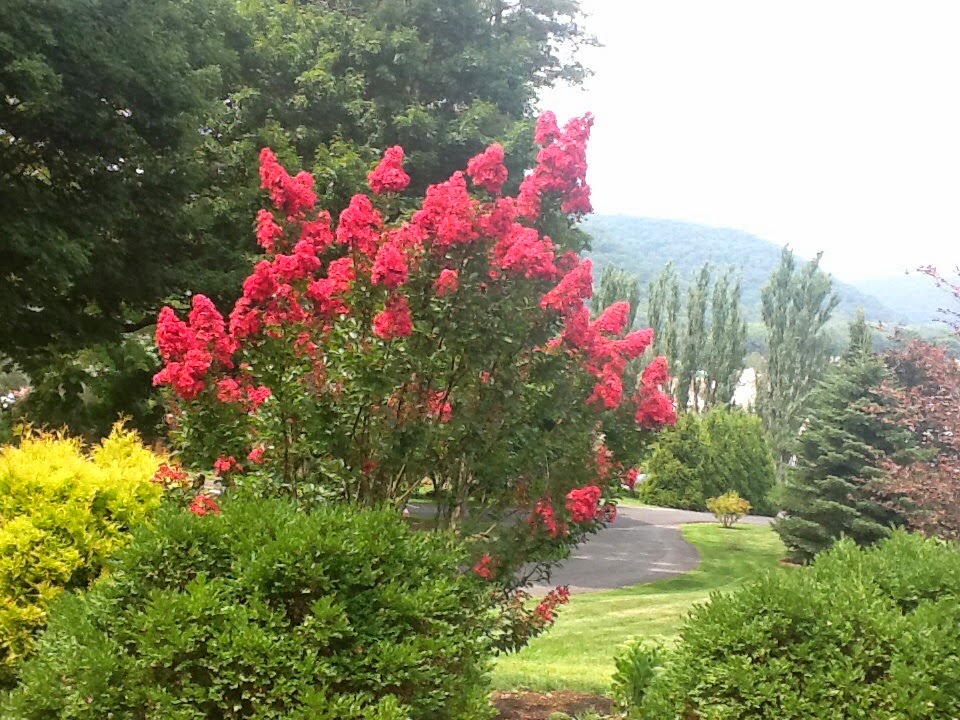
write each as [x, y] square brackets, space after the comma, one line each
[861, 633]
[705, 456]
[264, 611]
[64, 511]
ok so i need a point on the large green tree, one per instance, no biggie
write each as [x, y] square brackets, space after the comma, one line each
[695, 340]
[797, 302]
[705, 340]
[724, 361]
[848, 433]
[130, 129]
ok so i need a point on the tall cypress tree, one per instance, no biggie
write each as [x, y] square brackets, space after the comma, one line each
[848, 432]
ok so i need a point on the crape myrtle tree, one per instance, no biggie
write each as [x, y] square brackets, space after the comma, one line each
[130, 131]
[451, 344]
[796, 304]
[849, 435]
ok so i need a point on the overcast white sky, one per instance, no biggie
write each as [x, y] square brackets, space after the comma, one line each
[830, 126]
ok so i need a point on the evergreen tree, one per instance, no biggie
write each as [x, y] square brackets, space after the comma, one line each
[676, 468]
[796, 305]
[705, 456]
[847, 434]
[740, 459]
[617, 285]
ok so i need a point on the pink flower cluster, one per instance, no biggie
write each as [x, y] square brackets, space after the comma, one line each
[487, 567]
[189, 349]
[292, 195]
[561, 167]
[487, 169]
[204, 505]
[389, 175]
[654, 407]
[546, 608]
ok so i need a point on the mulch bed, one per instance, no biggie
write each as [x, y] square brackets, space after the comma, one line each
[539, 706]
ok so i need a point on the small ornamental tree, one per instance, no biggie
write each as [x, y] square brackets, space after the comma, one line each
[728, 508]
[448, 341]
[927, 393]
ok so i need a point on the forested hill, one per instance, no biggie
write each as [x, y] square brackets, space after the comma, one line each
[643, 246]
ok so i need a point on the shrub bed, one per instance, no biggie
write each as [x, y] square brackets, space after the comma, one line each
[267, 612]
[860, 634]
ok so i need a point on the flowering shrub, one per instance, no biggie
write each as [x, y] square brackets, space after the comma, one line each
[267, 612]
[448, 340]
[63, 512]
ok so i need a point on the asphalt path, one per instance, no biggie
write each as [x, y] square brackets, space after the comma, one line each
[640, 546]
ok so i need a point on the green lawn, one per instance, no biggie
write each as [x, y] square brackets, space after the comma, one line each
[577, 653]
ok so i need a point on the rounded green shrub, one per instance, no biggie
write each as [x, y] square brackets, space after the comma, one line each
[706, 456]
[64, 510]
[267, 612]
[861, 633]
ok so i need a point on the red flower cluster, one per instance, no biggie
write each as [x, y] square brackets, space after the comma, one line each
[561, 167]
[487, 567]
[448, 213]
[630, 478]
[389, 175]
[606, 356]
[583, 503]
[257, 454]
[487, 169]
[394, 320]
[440, 407]
[547, 607]
[328, 294]
[390, 268]
[189, 349]
[226, 464]
[171, 476]
[447, 282]
[292, 195]
[360, 226]
[547, 129]
[204, 505]
[229, 390]
[573, 288]
[544, 515]
[654, 407]
[523, 252]
[268, 231]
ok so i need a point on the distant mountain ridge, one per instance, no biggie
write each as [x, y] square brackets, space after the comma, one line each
[643, 246]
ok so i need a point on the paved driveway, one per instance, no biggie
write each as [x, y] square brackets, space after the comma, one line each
[641, 545]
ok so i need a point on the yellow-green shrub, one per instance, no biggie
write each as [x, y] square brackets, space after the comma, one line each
[728, 508]
[63, 511]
